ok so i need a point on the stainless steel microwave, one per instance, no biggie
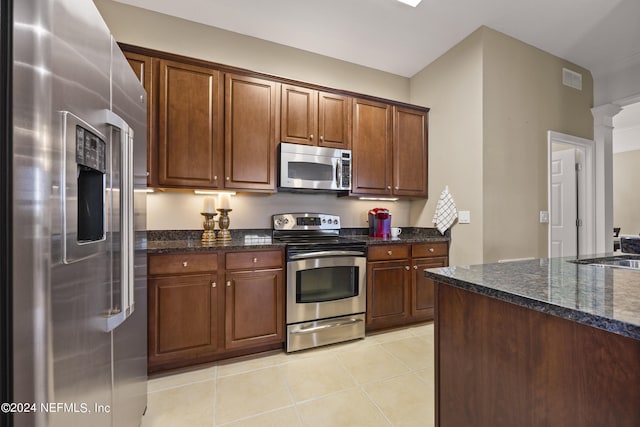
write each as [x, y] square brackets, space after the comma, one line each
[305, 167]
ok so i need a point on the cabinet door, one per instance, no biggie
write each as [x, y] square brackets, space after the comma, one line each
[422, 289]
[299, 124]
[254, 308]
[181, 317]
[251, 128]
[387, 293]
[334, 120]
[372, 134]
[145, 69]
[409, 152]
[190, 126]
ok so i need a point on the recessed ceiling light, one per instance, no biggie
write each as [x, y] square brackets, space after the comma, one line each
[413, 3]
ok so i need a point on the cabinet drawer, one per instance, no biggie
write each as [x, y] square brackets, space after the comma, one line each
[388, 252]
[253, 259]
[182, 263]
[423, 250]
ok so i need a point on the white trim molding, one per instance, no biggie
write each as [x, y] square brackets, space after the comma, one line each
[603, 138]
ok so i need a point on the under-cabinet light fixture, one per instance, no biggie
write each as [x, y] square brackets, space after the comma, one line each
[412, 3]
[214, 192]
[380, 199]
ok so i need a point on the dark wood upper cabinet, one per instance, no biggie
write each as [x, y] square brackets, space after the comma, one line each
[313, 117]
[389, 150]
[145, 68]
[190, 126]
[251, 129]
[334, 120]
[299, 123]
[372, 149]
[213, 126]
[409, 152]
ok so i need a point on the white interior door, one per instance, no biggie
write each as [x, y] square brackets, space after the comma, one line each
[564, 204]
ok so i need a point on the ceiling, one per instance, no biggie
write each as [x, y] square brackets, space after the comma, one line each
[599, 35]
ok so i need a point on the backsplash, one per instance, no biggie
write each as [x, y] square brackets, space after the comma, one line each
[181, 210]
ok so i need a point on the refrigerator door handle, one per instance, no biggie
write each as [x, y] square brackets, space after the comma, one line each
[127, 237]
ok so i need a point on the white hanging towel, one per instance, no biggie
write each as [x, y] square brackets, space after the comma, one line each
[446, 212]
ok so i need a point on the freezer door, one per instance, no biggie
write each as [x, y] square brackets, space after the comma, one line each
[129, 339]
[62, 353]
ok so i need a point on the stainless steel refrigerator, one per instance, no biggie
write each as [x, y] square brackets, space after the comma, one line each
[73, 254]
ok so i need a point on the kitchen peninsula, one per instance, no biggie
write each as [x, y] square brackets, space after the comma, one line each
[541, 342]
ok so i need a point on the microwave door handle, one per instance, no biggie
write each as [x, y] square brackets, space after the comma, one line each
[338, 174]
[116, 317]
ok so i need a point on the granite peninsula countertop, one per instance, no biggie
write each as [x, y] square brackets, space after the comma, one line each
[602, 297]
[168, 241]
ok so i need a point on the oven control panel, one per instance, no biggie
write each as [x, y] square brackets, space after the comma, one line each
[306, 221]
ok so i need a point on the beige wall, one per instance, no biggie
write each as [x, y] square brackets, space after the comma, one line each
[626, 197]
[180, 210]
[523, 98]
[452, 87]
[493, 99]
[157, 31]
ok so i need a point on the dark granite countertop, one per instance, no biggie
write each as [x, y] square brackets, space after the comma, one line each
[603, 297]
[189, 240]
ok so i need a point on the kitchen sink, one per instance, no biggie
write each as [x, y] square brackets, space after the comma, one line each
[631, 262]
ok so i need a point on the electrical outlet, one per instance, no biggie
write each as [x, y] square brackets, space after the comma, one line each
[464, 217]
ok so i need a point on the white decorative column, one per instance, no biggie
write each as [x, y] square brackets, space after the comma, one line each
[603, 139]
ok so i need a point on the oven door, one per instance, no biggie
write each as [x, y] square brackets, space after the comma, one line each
[325, 284]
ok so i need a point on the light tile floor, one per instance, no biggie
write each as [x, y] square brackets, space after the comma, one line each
[384, 380]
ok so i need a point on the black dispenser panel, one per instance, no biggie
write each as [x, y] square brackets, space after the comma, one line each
[91, 161]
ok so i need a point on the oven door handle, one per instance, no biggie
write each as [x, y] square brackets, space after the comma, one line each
[326, 254]
[326, 326]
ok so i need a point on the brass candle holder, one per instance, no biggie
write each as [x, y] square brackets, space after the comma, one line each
[224, 234]
[209, 224]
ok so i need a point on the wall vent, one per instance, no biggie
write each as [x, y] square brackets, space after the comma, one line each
[571, 79]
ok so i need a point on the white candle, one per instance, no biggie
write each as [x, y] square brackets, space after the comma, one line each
[225, 201]
[209, 205]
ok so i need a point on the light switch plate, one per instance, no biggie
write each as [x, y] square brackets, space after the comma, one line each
[544, 217]
[464, 217]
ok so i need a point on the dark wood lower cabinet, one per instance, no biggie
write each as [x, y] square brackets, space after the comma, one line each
[254, 308]
[500, 364]
[200, 312]
[387, 293]
[397, 292]
[182, 312]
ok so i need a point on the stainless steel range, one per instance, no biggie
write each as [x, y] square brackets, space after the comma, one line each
[326, 280]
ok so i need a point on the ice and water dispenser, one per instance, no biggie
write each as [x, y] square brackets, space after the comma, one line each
[91, 164]
[83, 189]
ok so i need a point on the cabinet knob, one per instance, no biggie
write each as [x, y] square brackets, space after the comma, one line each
[228, 283]
[228, 178]
[254, 260]
[415, 267]
[406, 267]
[389, 253]
[311, 137]
[185, 264]
[431, 250]
[321, 138]
[388, 187]
[213, 284]
[396, 187]
[215, 177]
[148, 173]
